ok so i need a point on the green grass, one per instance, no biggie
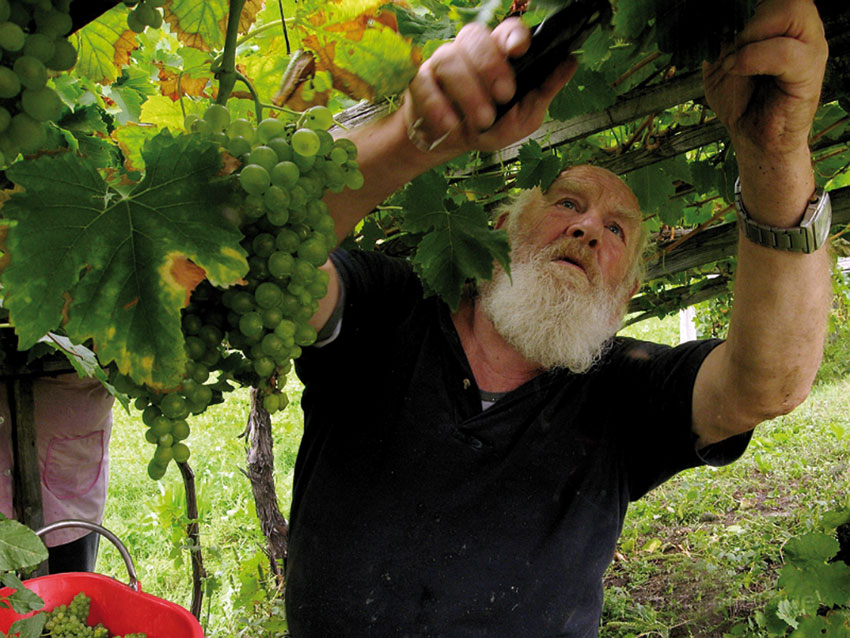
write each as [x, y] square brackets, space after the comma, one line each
[147, 515]
[697, 555]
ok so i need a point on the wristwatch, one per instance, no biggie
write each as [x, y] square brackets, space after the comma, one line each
[811, 234]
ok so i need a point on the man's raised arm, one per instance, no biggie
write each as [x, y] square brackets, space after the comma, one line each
[447, 110]
[766, 91]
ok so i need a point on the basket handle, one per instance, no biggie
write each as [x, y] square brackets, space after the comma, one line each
[94, 527]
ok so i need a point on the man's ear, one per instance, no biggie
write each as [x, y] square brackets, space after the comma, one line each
[634, 289]
[501, 220]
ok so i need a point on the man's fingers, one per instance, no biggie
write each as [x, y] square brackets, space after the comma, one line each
[487, 60]
[430, 103]
[513, 37]
[787, 59]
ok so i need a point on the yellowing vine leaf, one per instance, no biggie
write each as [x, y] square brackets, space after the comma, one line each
[198, 23]
[104, 46]
[362, 50]
[173, 85]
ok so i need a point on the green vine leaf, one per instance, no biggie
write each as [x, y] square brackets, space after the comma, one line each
[536, 167]
[29, 627]
[458, 245]
[84, 361]
[117, 267]
[588, 92]
[19, 546]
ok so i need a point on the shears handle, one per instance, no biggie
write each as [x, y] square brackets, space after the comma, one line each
[552, 41]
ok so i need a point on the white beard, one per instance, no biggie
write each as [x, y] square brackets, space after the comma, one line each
[553, 315]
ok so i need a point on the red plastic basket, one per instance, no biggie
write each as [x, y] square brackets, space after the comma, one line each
[121, 607]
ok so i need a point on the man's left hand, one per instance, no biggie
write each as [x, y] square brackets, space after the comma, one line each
[766, 88]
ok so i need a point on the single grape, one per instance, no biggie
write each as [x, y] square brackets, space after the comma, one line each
[195, 347]
[305, 142]
[39, 46]
[276, 199]
[251, 324]
[238, 146]
[64, 57]
[264, 367]
[348, 146]
[173, 406]
[241, 128]
[254, 179]
[281, 147]
[192, 324]
[313, 251]
[285, 174]
[281, 264]
[180, 430]
[265, 156]
[10, 85]
[287, 240]
[263, 244]
[354, 180]
[41, 104]
[270, 128]
[271, 317]
[271, 403]
[53, 23]
[217, 116]
[180, 452]
[268, 295]
[163, 455]
[305, 334]
[338, 155]
[319, 117]
[27, 132]
[12, 36]
[156, 470]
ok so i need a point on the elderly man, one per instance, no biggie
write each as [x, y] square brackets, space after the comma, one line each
[467, 473]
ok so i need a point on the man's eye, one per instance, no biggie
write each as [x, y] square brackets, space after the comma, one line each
[616, 229]
[568, 203]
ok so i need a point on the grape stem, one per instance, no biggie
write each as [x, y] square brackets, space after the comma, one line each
[258, 105]
[227, 72]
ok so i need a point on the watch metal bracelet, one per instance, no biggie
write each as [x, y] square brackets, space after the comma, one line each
[811, 234]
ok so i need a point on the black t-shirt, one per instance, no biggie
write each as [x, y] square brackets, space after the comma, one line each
[415, 513]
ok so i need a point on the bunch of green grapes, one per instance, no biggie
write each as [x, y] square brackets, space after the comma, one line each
[33, 42]
[71, 621]
[143, 14]
[288, 233]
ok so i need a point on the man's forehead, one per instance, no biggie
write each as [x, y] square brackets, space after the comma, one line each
[593, 181]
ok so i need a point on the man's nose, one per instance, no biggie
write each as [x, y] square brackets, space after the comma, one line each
[586, 227]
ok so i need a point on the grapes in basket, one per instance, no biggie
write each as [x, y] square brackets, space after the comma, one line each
[70, 621]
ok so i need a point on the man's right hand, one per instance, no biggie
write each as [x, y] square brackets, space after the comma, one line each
[455, 91]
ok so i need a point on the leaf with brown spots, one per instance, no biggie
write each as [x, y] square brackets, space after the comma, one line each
[363, 51]
[104, 46]
[173, 84]
[198, 23]
[118, 266]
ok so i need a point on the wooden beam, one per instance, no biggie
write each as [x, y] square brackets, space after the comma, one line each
[719, 242]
